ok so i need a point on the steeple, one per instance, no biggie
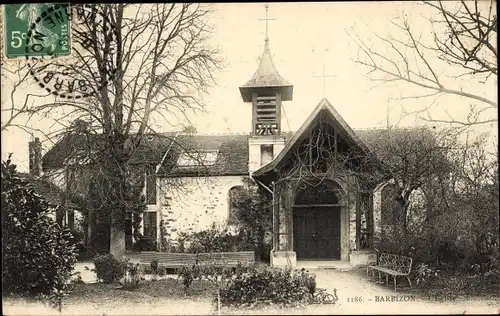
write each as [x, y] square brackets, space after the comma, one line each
[266, 77]
[266, 90]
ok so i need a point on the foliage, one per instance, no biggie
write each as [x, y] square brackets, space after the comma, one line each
[455, 225]
[164, 237]
[99, 204]
[154, 265]
[458, 235]
[213, 239]
[131, 276]
[162, 271]
[189, 129]
[187, 274]
[254, 215]
[263, 285]
[424, 273]
[144, 243]
[38, 255]
[79, 238]
[109, 269]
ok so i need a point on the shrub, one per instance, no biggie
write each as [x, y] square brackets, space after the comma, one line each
[214, 239]
[162, 271]
[251, 285]
[424, 273]
[131, 277]
[187, 275]
[154, 265]
[109, 269]
[148, 244]
[38, 255]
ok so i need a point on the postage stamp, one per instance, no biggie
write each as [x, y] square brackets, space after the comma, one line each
[53, 36]
[59, 30]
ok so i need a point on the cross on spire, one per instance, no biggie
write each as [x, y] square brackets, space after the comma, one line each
[267, 19]
[324, 76]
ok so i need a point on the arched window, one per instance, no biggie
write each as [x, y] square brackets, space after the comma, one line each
[233, 197]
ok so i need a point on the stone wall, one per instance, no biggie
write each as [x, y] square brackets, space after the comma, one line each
[196, 204]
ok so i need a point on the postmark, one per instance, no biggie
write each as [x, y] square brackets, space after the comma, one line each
[79, 76]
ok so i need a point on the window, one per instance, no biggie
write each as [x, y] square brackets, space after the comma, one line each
[234, 195]
[151, 184]
[150, 226]
[192, 159]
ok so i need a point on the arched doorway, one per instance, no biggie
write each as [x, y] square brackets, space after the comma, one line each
[316, 222]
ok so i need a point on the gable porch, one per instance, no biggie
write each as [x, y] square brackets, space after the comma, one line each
[323, 183]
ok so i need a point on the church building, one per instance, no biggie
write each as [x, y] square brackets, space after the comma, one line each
[325, 181]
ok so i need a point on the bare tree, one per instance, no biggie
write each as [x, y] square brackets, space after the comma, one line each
[413, 158]
[463, 39]
[144, 63]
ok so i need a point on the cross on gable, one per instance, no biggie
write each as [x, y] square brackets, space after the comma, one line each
[324, 76]
[267, 19]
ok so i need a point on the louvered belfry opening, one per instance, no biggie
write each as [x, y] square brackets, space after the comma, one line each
[267, 114]
[266, 108]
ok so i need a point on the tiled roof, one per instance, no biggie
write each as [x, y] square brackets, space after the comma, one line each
[232, 158]
[78, 146]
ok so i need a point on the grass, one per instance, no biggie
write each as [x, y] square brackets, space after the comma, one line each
[98, 297]
[152, 297]
[165, 288]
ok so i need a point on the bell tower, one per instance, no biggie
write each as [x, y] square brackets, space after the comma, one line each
[266, 90]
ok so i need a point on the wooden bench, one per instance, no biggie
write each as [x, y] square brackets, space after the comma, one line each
[172, 260]
[392, 265]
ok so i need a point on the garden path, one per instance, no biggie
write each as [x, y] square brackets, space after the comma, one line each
[350, 285]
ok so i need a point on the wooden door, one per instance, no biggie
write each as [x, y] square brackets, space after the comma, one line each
[317, 233]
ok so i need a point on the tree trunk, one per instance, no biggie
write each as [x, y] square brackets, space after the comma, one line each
[90, 229]
[117, 241]
[118, 197]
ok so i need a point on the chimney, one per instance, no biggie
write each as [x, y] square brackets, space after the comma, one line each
[35, 155]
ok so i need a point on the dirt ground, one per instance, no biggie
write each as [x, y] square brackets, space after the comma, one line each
[356, 295]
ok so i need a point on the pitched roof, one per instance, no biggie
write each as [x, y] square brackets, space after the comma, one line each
[81, 147]
[232, 158]
[323, 106]
[266, 76]
[49, 191]
[231, 151]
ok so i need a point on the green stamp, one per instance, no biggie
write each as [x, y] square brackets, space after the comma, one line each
[36, 30]
[42, 33]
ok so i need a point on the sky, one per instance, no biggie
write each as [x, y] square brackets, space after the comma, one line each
[303, 38]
